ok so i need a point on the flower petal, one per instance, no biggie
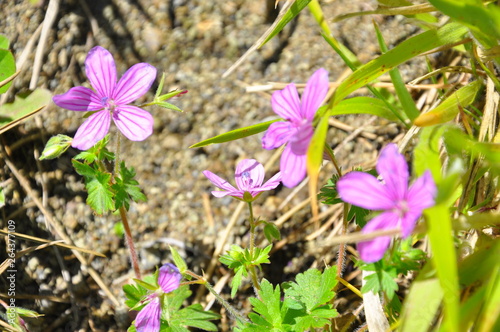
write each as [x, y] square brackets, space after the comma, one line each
[314, 93]
[277, 134]
[373, 250]
[101, 70]
[169, 277]
[134, 83]
[135, 123]
[364, 190]
[286, 103]
[148, 319]
[422, 192]
[249, 174]
[292, 167]
[392, 166]
[92, 130]
[299, 142]
[78, 99]
[220, 183]
[271, 183]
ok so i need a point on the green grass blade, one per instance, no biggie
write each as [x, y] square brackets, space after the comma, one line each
[364, 105]
[404, 96]
[410, 48]
[235, 134]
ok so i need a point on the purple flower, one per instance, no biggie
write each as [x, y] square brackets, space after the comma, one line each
[109, 100]
[297, 130]
[401, 206]
[249, 176]
[148, 319]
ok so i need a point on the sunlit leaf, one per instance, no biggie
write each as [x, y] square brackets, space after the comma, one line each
[23, 107]
[7, 67]
[364, 105]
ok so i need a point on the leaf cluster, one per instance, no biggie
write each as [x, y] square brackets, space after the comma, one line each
[241, 260]
[306, 305]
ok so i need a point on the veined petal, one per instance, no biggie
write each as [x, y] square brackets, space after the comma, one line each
[422, 192]
[134, 83]
[277, 134]
[169, 277]
[101, 70]
[286, 103]
[364, 190]
[373, 250]
[234, 193]
[148, 319]
[271, 183]
[315, 91]
[78, 99]
[292, 167]
[249, 174]
[219, 182]
[392, 166]
[135, 123]
[409, 221]
[92, 130]
[299, 142]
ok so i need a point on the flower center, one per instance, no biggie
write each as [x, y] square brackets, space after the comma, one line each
[247, 180]
[108, 104]
[401, 208]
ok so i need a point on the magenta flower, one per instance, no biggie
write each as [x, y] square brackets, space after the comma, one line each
[401, 206]
[109, 100]
[249, 176]
[148, 319]
[298, 128]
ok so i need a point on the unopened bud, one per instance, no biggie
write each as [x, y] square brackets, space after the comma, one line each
[56, 146]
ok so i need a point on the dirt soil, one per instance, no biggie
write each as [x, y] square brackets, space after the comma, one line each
[193, 42]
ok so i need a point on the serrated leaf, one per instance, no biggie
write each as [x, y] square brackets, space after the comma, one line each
[380, 281]
[134, 294]
[271, 231]
[83, 169]
[100, 197]
[261, 256]
[126, 188]
[195, 316]
[235, 134]
[237, 280]
[269, 306]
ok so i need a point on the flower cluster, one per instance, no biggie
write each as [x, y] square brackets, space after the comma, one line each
[148, 319]
[110, 100]
[401, 205]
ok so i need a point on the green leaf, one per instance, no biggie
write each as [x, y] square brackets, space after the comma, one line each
[449, 108]
[134, 294]
[126, 188]
[364, 105]
[178, 260]
[445, 261]
[4, 42]
[7, 66]
[56, 146]
[312, 288]
[100, 197]
[410, 48]
[84, 169]
[24, 106]
[292, 12]
[235, 134]
[269, 306]
[261, 256]
[381, 281]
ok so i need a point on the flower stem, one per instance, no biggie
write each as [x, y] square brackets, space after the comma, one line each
[229, 308]
[253, 271]
[130, 243]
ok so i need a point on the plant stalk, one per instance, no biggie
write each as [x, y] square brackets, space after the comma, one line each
[130, 243]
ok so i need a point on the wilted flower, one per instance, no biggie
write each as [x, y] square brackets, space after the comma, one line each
[297, 130]
[110, 100]
[148, 319]
[401, 206]
[249, 176]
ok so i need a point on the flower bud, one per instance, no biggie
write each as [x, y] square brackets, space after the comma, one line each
[56, 146]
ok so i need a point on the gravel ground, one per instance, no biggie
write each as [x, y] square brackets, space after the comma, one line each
[193, 42]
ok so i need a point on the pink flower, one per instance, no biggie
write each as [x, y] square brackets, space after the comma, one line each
[298, 128]
[148, 319]
[249, 176]
[109, 100]
[401, 206]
